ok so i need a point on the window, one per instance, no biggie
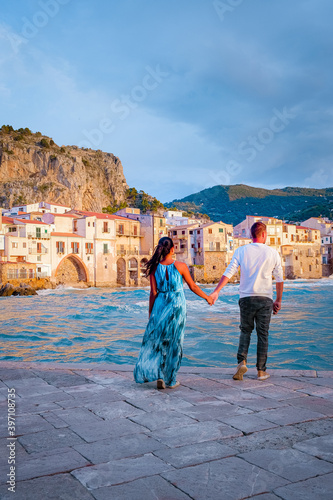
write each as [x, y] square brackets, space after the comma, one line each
[14, 244]
[89, 247]
[39, 258]
[88, 224]
[39, 248]
[220, 229]
[191, 232]
[60, 246]
[174, 233]
[55, 210]
[292, 237]
[105, 248]
[192, 246]
[105, 227]
[198, 232]
[272, 241]
[279, 241]
[75, 247]
[135, 229]
[182, 246]
[210, 231]
[310, 267]
[12, 229]
[121, 229]
[38, 232]
[183, 232]
[214, 267]
[24, 245]
[198, 244]
[217, 246]
[161, 222]
[75, 225]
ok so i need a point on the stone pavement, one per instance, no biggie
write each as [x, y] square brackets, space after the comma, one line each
[87, 431]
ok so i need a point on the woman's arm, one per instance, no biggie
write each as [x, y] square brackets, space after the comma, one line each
[184, 271]
[153, 292]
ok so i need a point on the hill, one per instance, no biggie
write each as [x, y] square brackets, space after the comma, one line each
[33, 168]
[232, 203]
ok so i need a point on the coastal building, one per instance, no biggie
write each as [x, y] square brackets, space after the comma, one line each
[24, 249]
[274, 229]
[153, 227]
[176, 218]
[118, 257]
[183, 240]
[327, 254]
[213, 248]
[324, 225]
[40, 207]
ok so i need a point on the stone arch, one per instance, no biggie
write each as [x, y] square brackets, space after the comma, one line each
[143, 280]
[71, 270]
[133, 269]
[121, 271]
[143, 262]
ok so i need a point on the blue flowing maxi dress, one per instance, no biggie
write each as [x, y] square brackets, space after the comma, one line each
[162, 345]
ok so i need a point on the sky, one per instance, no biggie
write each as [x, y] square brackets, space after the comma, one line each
[187, 93]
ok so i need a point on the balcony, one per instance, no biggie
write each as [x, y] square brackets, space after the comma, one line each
[35, 251]
[38, 235]
[130, 251]
[128, 233]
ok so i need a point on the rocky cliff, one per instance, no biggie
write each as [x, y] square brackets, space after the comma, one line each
[33, 168]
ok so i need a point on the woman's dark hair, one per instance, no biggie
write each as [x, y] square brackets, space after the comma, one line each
[161, 250]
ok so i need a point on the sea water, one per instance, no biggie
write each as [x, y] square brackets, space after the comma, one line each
[106, 325]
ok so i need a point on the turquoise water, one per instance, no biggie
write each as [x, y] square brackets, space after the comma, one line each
[106, 325]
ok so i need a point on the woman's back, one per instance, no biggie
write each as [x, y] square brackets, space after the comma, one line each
[168, 278]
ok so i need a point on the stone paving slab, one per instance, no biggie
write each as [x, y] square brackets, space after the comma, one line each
[229, 478]
[120, 471]
[87, 431]
[113, 449]
[148, 488]
[290, 464]
[321, 447]
[59, 486]
[315, 488]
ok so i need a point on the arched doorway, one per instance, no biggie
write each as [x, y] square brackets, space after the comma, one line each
[133, 270]
[143, 280]
[121, 272]
[71, 270]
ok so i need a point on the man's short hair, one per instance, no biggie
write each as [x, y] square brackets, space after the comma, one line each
[257, 229]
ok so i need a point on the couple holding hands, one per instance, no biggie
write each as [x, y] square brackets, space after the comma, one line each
[162, 345]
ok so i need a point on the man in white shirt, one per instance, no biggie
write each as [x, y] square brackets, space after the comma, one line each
[258, 262]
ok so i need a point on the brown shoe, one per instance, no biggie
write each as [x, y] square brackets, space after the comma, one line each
[262, 375]
[173, 386]
[241, 369]
[160, 384]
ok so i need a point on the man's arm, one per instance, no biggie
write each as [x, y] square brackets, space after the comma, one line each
[278, 301]
[223, 281]
[229, 272]
[278, 275]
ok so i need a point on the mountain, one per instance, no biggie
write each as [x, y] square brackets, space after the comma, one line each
[33, 168]
[232, 203]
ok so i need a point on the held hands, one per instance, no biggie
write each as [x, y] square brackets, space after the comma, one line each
[210, 300]
[214, 296]
[276, 307]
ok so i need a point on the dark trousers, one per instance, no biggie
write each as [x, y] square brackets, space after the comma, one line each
[256, 310]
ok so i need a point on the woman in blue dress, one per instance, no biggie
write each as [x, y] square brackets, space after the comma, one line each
[162, 345]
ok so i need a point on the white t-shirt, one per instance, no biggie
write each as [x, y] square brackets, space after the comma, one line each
[258, 262]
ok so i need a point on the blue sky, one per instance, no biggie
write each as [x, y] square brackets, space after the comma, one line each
[188, 93]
